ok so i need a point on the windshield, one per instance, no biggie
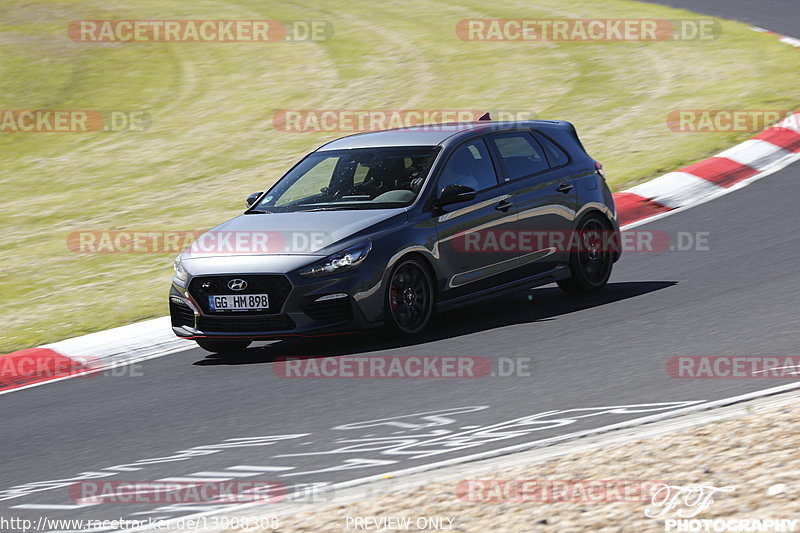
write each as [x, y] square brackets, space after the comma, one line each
[363, 178]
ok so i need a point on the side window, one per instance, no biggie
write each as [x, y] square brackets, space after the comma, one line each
[521, 154]
[555, 155]
[469, 165]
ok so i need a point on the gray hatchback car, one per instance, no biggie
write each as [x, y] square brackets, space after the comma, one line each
[385, 228]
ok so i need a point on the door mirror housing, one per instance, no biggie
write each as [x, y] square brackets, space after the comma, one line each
[454, 194]
[252, 198]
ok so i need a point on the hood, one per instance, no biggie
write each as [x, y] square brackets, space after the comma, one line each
[307, 233]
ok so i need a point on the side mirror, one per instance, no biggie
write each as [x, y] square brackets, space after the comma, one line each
[252, 198]
[453, 194]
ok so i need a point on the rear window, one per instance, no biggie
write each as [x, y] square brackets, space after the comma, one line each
[555, 154]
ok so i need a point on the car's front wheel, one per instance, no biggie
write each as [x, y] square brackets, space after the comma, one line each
[223, 346]
[409, 298]
[590, 265]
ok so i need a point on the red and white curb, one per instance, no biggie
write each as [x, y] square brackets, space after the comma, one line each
[732, 169]
[753, 159]
[791, 41]
[89, 354]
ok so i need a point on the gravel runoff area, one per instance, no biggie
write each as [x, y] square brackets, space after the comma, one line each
[752, 447]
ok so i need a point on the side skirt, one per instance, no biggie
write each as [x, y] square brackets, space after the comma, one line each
[545, 278]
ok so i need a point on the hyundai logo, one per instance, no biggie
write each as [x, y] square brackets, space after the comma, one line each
[237, 284]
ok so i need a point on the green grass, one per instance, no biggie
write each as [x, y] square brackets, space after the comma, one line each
[211, 141]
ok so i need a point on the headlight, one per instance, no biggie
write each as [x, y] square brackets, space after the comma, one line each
[180, 272]
[339, 262]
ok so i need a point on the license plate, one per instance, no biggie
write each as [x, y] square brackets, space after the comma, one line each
[238, 302]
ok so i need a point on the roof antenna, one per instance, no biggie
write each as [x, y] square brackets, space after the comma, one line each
[485, 116]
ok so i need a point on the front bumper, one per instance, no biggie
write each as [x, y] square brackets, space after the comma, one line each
[300, 306]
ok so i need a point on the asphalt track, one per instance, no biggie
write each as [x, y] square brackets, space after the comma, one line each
[738, 298]
[781, 16]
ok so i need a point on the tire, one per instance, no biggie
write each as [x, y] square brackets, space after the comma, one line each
[223, 347]
[409, 300]
[590, 267]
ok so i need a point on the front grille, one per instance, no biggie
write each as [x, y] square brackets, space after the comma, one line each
[276, 286]
[241, 324]
[182, 315]
[337, 310]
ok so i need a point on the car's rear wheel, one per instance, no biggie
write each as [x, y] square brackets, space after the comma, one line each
[223, 346]
[409, 298]
[591, 264]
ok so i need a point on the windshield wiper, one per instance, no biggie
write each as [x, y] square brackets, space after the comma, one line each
[329, 208]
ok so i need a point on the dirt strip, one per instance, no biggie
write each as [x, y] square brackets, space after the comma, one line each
[757, 454]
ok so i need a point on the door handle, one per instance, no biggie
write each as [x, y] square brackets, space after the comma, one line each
[564, 187]
[504, 205]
